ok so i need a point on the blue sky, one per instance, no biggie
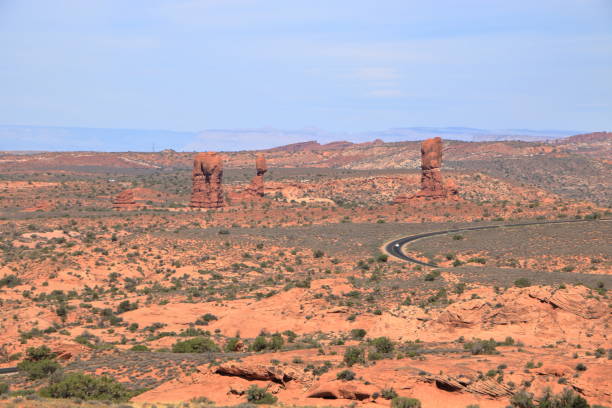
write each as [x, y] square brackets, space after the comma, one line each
[338, 65]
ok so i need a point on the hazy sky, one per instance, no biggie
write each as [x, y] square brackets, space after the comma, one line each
[341, 65]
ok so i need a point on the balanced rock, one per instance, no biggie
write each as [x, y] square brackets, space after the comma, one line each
[256, 188]
[207, 190]
[432, 182]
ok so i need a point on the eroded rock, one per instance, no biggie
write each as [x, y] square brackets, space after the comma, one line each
[207, 175]
[432, 182]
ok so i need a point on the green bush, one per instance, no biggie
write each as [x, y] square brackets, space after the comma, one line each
[383, 345]
[276, 342]
[388, 393]
[404, 402]
[478, 346]
[382, 258]
[126, 306]
[566, 399]
[4, 388]
[232, 344]
[10, 281]
[258, 395]
[522, 283]
[205, 319]
[346, 375]
[522, 399]
[195, 345]
[260, 343]
[87, 387]
[39, 363]
[354, 355]
[358, 334]
[140, 347]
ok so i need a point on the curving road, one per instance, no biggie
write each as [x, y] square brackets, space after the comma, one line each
[394, 248]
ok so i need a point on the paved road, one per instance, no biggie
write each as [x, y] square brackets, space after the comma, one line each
[394, 248]
[8, 370]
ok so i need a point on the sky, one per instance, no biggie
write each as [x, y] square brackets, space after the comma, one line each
[337, 65]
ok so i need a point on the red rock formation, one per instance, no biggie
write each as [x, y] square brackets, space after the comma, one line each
[432, 182]
[124, 200]
[207, 191]
[256, 188]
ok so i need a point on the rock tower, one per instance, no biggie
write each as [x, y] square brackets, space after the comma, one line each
[256, 188]
[207, 190]
[432, 182]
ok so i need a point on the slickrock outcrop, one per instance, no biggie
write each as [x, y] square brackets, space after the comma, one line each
[574, 300]
[256, 188]
[342, 390]
[262, 372]
[488, 387]
[124, 200]
[207, 190]
[432, 182]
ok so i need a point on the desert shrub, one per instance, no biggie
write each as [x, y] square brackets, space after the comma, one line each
[276, 342]
[431, 276]
[10, 281]
[195, 345]
[126, 306]
[346, 375]
[522, 399]
[522, 283]
[39, 363]
[566, 399]
[140, 347]
[260, 343]
[232, 344]
[478, 346]
[382, 258]
[383, 345]
[318, 253]
[87, 387]
[388, 393]
[258, 395]
[405, 402]
[354, 355]
[580, 367]
[205, 319]
[38, 369]
[358, 334]
[4, 388]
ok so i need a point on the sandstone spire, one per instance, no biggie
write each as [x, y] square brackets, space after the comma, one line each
[207, 190]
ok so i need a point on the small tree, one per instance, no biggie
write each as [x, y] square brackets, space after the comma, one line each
[87, 387]
[39, 363]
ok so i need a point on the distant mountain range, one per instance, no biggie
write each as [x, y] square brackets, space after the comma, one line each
[41, 138]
